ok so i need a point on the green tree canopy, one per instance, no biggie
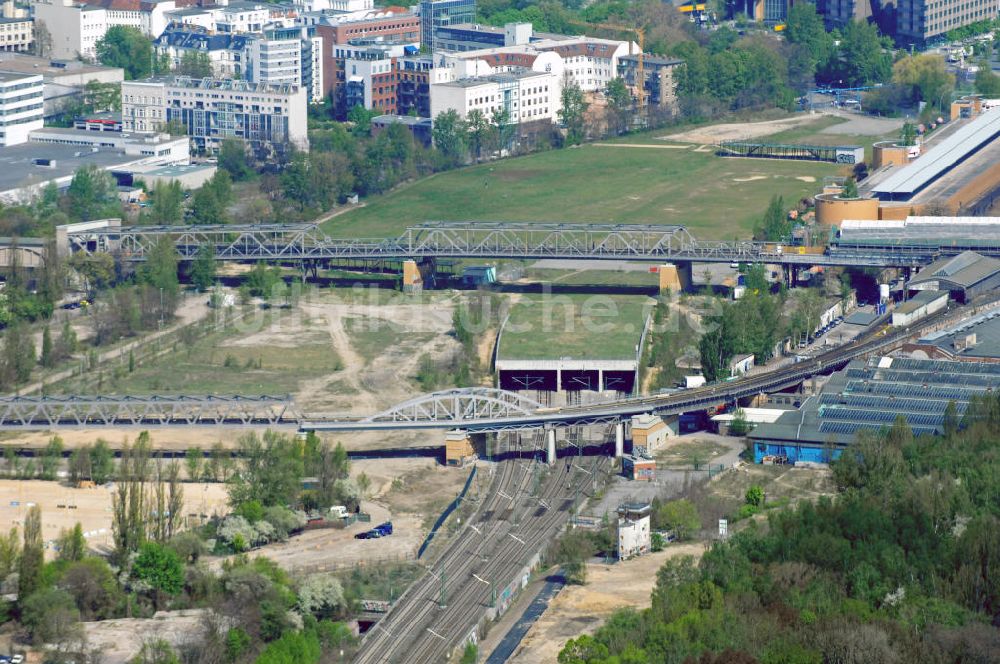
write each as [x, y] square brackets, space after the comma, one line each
[126, 47]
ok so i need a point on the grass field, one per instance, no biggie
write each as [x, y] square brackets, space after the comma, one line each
[574, 327]
[716, 199]
[228, 362]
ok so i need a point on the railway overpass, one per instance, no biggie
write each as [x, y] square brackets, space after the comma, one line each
[308, 245]
[472, 409]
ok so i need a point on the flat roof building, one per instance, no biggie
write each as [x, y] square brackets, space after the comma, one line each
[22, 106]
[213, 109]
[904, 183]
[869, 396]
[921, 305]
[978, 337]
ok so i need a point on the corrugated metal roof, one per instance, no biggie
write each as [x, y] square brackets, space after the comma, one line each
[965, 270]
[931, 165]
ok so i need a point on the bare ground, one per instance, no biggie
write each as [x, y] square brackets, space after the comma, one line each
[580, 610]
[64, 506]
[739, 130]
[120, 640]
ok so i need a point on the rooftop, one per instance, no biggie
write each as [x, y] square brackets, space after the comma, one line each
[11, 76]
[965, 232]
[411, 120]
[976, 337]
[19, 164]
[928, 167]
[867, 396]
[963, 271]
[494, 78]
[921, 299]
[218, 84]
[31, 64]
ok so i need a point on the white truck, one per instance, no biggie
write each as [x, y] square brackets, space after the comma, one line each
[338, 512]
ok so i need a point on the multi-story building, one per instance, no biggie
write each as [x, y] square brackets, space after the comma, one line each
[413, 89]
[336, 30]
[659, 85]
[473, 37]
[436, 14]
[226, 53]
[76, 26]
[64, 81]
[21, 106]
[588, 62]
[16, 34]
[918, 21]
[213, 109]
[525, 96]
[364, 72]
[288, 55]
[242, 17]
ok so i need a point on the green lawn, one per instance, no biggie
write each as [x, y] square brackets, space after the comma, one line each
[574, 326]
[714, 198]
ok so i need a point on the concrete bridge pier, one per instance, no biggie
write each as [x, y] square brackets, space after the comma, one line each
[550, 446]
[619, 439]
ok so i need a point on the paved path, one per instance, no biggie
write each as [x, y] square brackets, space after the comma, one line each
[533, 612]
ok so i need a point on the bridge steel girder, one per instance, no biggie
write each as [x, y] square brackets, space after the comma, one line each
[651, 243]
[25, 412]
[451, 407]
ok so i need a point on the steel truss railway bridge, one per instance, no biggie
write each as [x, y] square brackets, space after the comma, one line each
[476, 409]
[307, 244]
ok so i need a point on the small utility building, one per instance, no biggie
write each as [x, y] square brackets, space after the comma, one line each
[921, 305]
[634, 537]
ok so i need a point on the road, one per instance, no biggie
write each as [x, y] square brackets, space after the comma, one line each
[527, 505]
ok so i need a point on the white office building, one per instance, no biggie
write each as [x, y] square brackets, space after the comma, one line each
[527, 96]
[213, 109]
[22, 106]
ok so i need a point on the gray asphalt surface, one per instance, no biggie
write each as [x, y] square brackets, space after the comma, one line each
[531, 614]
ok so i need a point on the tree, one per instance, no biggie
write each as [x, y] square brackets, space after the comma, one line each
[209, 204]
[470, 655]
[679, 517]
[987, 83]
[619, 106]
[72, 545]
[43, 40]
[775, 225]
[48, 359]
[195, 64]
[864, 58]
[51, 457]
[203, 268]
[740, 426]
[450, 133]
[234, 158]
[272, 470]
[92, 193]
[755, 496]
[129, 509]
[479, 131]
[32, 555]
[126, 47]
[572, 112]
[160, 568]
[850, 189]
[10, 552]
[93, 587]
[321, 595]
[193, 459]
[102, 462]
[168, 205]
[804, 27]
[160, 272]
[18, 355]
[51, 616]
[156, 651]
[927, 78]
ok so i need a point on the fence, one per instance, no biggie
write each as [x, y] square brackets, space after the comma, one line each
[446, 513]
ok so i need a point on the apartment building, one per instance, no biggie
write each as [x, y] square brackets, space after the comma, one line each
[16, 34]
[588, 62]
[21, 106]
[526, 96]
[364, 72]
[213, 109]
[473, 37]
[242, 17]
[77, 26]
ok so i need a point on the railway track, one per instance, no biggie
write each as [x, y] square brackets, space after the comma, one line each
[527, 505]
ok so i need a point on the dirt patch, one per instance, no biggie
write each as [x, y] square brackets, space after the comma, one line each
[120, 640]
[751, 178]
[581, 609]
[740, 130]
[64, 506]
[805, 178]
[643, 145]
